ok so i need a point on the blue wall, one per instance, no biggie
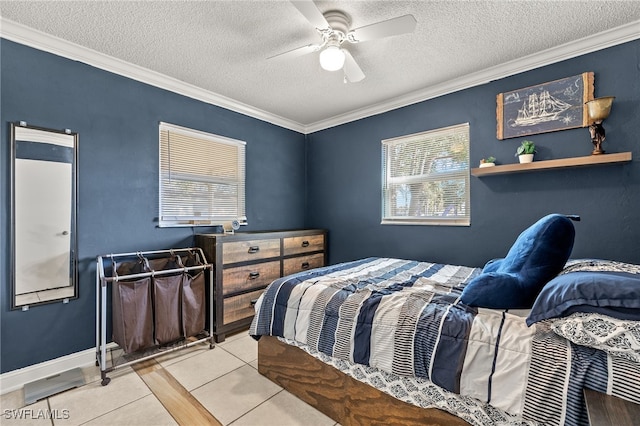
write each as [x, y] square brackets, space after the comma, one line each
[337, 181]
[117, 121]
[344, 174]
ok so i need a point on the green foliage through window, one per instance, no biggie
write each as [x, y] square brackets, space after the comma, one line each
[426, 178]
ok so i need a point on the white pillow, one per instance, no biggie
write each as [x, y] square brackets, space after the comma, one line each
[620, 338]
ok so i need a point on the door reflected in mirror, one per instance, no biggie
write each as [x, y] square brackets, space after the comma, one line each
[44, 190]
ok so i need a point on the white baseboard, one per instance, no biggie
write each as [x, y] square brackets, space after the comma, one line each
[16, 379]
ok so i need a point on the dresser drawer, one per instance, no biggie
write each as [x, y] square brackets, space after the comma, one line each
[303, 244]
[239, 307]
[248, 277]
[243, 251]
[246, 263]
[302, 263]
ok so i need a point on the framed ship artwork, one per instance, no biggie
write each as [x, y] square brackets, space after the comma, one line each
[548, 107]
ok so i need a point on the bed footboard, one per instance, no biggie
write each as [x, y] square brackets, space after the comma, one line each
[337, 395]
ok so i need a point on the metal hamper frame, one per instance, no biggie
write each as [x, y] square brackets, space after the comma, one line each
[102, 282]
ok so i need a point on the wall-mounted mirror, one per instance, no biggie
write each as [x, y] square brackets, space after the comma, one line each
[43, 215]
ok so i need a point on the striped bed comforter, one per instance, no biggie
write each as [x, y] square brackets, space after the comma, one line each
[404, 317]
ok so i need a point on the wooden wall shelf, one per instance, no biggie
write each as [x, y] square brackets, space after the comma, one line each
[562, 163]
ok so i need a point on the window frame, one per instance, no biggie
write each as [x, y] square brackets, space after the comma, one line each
[452, 132]
[168, 220]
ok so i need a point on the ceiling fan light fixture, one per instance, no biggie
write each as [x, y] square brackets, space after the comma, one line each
[332, 58]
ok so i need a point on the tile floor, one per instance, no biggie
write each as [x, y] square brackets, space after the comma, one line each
[224, 380]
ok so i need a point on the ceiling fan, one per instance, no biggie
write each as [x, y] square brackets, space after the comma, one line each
[333, 27]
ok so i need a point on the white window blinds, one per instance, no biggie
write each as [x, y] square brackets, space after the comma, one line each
[202, 178]
[426, 178]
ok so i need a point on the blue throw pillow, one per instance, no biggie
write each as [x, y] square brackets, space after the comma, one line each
[492, 265]
[538, 254]
[612, 293]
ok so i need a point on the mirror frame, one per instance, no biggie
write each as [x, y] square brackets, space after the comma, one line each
[73, 246]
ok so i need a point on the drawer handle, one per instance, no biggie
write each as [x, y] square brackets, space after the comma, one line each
[305, 265]
[305, 243]
[253, 249]
[254, 275]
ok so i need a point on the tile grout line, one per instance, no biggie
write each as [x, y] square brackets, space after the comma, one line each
[221, 376]
[254, 408]
[172, 386]
[50, 410]
[116, 408]
[245, 363]
[175, 398]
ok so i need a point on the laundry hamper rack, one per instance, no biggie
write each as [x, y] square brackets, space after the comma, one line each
[155, 305]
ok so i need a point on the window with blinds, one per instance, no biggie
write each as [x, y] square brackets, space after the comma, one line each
[426, 178]
[202, 178]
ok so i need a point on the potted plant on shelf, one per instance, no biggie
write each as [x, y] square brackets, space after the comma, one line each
[488, 162]
[525, 151]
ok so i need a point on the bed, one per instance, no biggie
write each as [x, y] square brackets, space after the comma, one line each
[396, 341]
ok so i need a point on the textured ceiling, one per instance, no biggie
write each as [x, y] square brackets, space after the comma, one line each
[222, 46]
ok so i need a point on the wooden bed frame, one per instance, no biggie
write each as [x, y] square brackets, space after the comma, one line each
[343, 398]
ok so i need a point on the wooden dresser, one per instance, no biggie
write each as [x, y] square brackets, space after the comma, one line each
[246, 262]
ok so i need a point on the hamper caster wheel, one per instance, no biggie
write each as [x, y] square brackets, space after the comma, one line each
[105, 381]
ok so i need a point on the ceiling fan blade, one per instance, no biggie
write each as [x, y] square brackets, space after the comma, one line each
[300, 51]
[352, 70]
[312, 13]
[395, 26]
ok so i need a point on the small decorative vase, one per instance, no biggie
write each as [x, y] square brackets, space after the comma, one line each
[487, 164]
[525, 158]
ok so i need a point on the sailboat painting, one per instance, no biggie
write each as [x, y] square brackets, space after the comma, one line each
[548, 107]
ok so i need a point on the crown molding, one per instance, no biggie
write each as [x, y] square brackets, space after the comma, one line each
[42, 41]
[609, 38]
[22, 34]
